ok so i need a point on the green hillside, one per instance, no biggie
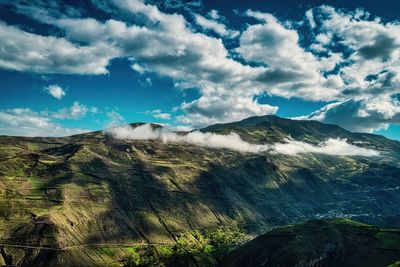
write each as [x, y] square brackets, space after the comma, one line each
[336, 242]
[89, 199]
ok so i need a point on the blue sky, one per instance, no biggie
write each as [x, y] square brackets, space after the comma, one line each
[68, 67]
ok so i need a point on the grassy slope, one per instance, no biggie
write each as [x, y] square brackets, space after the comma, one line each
[92, 190]
[338, 242]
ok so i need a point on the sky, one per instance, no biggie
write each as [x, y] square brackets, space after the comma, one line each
[68, 67]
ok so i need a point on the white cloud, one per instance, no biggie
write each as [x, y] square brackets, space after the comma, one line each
[183, 128]
[292, 71]
[373, 65]
[310, 18]
[370, 77]
[370, 39]
[178, 5]
[114, 118]
[158, 114]
[25, 122]
[55, 91]
[215, 26]
[323, 38]
[30, 52]
[335, 147]
[144, 132]
[229, 141]
[261, 16]
[211, 109]
[369, 66]
[214, 14]
[75, 112]
[190, 59]
[136, 67]
[147, 132]
[172, 50]
[364, 115]
[272, 43]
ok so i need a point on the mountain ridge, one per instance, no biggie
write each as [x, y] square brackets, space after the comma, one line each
[222, 125]
[96, 189]
[329, 242]
[273, 120]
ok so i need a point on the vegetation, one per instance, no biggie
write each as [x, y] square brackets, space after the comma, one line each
[194, 248]
[77, 195]
[333, 242]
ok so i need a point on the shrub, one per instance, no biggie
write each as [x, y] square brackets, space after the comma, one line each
[195, 248]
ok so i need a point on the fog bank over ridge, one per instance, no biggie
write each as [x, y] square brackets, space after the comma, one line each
[332, 146]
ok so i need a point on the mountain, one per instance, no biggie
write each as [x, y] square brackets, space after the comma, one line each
[334, 242]
[88, 199]
[271, 129]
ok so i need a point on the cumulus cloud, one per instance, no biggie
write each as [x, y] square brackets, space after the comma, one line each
[75, 112]
[274, 61]
[158, 114]
[55, 91]
[26, 122]
[226, 108]
[233, 141]
[370, 39]
[23, 51]
[373, 47]
[273, 44]
[364, 115]
[215, 26]
[178, 4]
[292, 71]
[174, 50]
[370, 77]
[214, 14]
[143, 132]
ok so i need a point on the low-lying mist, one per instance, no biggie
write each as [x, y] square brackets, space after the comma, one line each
[332, 146]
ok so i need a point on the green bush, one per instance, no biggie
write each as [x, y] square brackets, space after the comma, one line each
[108, 251]
[195, 248]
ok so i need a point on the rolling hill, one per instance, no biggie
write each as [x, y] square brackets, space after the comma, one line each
[334, 242]
[88, 199]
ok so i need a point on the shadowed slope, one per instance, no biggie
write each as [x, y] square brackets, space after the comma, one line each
[338, 242]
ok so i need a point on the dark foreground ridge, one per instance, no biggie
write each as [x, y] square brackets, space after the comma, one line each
[91, 199]
[334, 242]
